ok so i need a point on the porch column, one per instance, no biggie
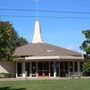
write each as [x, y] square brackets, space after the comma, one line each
[78, 68]
[30, 69]
[73, 68]
[16, 70]
[54, 69]
[23, 69]
[37, 68]
[59, 68]
[68, 68]
[49, 68]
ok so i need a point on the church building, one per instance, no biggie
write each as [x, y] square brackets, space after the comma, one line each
[39, 59]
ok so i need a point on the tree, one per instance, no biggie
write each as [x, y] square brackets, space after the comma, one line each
[21, 41]
[86, 47]
[86, 43]
[8, 41]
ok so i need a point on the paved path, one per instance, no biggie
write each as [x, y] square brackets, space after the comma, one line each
[41, 78]
[15, 79]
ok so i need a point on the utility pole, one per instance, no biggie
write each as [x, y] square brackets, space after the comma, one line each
[37, 9]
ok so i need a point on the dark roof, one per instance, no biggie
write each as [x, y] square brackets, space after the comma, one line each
[44, 49]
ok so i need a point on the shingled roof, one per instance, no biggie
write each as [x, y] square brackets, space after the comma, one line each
[44, 49]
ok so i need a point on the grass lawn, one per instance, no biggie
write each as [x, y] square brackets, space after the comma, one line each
[81, 84]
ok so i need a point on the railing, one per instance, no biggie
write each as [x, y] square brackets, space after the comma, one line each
[74, 74]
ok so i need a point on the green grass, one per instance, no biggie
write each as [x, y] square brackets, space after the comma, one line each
[81, 84]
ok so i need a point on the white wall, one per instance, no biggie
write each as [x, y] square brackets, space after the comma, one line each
[7, 67]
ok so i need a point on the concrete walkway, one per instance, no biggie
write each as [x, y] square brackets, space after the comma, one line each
[58, 78]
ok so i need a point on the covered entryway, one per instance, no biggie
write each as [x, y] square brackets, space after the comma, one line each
[50, 68]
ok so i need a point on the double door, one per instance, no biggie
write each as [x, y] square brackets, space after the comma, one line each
[43, 69]
[31, 68]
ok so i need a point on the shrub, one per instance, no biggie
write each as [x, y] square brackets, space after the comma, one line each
[7, 75]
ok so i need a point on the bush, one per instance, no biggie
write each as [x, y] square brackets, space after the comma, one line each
[7, 75]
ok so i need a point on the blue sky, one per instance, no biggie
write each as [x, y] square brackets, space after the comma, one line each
[63, 32]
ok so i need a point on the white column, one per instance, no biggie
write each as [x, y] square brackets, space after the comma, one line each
[59, 68]
[16, 70]
[78, 68]
[23, 69]
[68, 68]
[49, 68]
[37, 68]
[73, 68]
[54, 69]
[30, 69]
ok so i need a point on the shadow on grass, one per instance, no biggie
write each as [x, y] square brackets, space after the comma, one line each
[9, 88]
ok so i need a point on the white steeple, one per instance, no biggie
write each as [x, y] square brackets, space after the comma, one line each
[37, 33]
[37, 29]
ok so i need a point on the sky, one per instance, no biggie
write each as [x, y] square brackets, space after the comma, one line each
[63, 32]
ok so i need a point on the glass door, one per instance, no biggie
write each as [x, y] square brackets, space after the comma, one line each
[43, 69]
[34, 73]
[19, 69]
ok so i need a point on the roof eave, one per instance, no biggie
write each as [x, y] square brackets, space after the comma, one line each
[53, 57]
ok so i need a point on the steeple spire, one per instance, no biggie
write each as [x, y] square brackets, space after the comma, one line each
[37, 29]
[37, 33]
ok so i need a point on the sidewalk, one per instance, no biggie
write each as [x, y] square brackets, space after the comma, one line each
[17, 79]
[62, 78]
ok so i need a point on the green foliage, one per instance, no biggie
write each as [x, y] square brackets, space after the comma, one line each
[7, 75]
[86, 43]
[9, 40]
[86, 47]
[21, 41]
[86, 66]
[86, 33]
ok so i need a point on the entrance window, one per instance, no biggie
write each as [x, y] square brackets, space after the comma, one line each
[75, 67]
[33, 69]
[71, 66]
[27, 68]
[63, 69]
[57, 68]
[51, 69]
[46, 69]
[54, 68]
[81, 66]
[40, 68]
[19, 69]
[43, 68]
